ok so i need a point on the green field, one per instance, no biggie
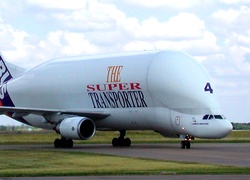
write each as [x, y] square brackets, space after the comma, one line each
[62, 163]
[47, 137]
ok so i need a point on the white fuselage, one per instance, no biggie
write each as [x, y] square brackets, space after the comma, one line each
[165, 91]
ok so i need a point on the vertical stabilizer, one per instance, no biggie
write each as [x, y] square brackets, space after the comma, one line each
[8, 70]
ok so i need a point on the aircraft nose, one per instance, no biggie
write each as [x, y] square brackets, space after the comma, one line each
[227, 127]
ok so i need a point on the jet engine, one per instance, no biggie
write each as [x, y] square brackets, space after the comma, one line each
[77, 128]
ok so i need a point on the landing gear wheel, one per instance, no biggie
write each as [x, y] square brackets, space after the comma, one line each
[188, 144]
[127, 142]
[63, 143]
[185, 144]
[121, 141]
[69, 143]
[57, 143]
[115, 142]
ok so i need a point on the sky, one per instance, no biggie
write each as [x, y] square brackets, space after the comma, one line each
[216, 33]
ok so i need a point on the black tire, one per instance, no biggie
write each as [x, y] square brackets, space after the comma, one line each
[115, 142]
[188, 144]
[183, 144]
[127, 142]
[63, 142]
[57, 143]
[69, 143]
[121, 142]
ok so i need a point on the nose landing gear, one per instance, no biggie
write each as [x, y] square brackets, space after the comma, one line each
[186, 141]
[185, 144]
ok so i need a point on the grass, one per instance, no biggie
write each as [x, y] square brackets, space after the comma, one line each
[60, 163]
[47, 137]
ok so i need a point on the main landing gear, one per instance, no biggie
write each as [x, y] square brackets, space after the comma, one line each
[185, 143]
[121, 140]
[63, 143]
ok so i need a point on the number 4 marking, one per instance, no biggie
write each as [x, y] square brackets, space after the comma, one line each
[208, 88]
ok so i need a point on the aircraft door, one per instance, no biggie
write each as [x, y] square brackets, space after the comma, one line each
[182, 123]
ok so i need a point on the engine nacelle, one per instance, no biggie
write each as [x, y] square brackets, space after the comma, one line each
[77, 128]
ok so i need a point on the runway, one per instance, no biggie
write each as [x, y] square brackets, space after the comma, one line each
[228, 154]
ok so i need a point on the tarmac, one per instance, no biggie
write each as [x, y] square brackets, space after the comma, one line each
[227, 154]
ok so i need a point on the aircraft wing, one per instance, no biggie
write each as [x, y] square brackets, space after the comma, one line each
[21, 111]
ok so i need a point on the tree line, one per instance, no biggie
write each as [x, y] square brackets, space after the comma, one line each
[241, 126]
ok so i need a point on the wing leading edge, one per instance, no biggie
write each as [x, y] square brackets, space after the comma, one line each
[18, 112]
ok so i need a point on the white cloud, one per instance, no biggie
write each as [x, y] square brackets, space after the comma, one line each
[6, 36]
[238, 55]
[137, 46]
[233, 16]
[14, 43]
[184, 4]
[94, 17]
[104, 24]
[184, 32]
[59, 4]
[180, 27]
[231, 2]
[77, 44]
[181, 31]
[242, 40]
[60, 43]
[226, 15]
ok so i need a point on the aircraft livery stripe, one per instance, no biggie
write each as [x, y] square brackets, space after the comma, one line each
[5, 99]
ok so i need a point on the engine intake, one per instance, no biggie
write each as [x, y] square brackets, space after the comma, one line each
[77, 128]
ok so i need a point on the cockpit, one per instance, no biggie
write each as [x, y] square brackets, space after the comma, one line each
[211, 116]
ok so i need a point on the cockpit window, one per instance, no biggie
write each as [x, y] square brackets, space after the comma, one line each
[218, 117]
[210, 116]
[206, 116]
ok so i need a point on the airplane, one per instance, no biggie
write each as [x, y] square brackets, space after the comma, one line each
[165, 91]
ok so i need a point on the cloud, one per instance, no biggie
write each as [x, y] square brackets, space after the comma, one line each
[241, 63]
[6, 36]
[231, 2]
[235, 43]
[101, 27]
[59, 4]
[233, 18]
[63, 43]
[106, 25]
[226, 15]
[163, 3]
[184, 31]
[14, 42]
[180, 27]
[93, 17]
